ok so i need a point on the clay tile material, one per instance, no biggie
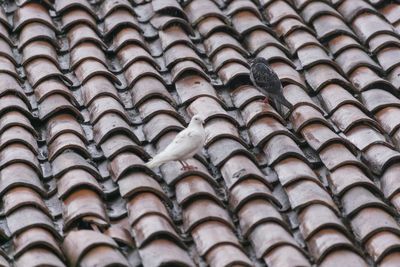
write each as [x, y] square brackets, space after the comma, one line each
[391, 260]
[255, 212]
[342, 42]
[106, 104]
[208, 108]
[245, 94]
[376, 99]
[210, 25]
[37, 31]
[328, 26]
[298, 39]
[277, 236]
[193, 187]
[264, 129]
[233, 72]
[153, 227]
[68, 161]
[389, 182]
[319, 136]
[247, 190]
[219, 40]
[388, 58]
[305, 193]
[63, 123]
[20, 174]
[36, 237]
[389, 119]
[83, 33]
[291, 170]
[279, 10]
[6, 51]
[41, 69]
[298, 97]
[181, 52]
[109, 124]
[382, 41]
[147, 87]
[17, 134]
[242, 5]
[67, 141]
[62, 6]
[364, 136]
[280, 147]
[98, 86]
[53, 86]
[258, 39]
[77, 17]
[8, 67]
[86, 206]
[272, 53]
[346, 177]
[368, 25]
[199, 10]
[172, 254]
[118, 19]
[185, 68]
[20, 197]
[321, 75]
[335, 96]
[125, 162]
[228, 255]
[11, 103]
[357, 198]
[343, 257]
[223, 149]
[86, 51]
[209, 235]
[327, 240]
[174, 35]
[74, 180]
[32, 12]
[138, 182]
[162, 22]
[168, 7]
[337, 155]
[89, 68]
[108, 7]
[141, 69]
[55, 104]
[364, 78]
[159, 125]
[131, 53]
[28, 217]
[12, 85]
[247, 21]
[316, 9]
[78, 243]
[128, 36]
[38, 257]
[225, 56]
[351, 9]
[118, 143]
[19, 153]
[286, 255]
[380, 157]
[348, 116]
[306, 115]
[204, 210]
[104, 255]
[382, 244]
[370, 221]
[220, 128]
[352, 58]
[311, 55]
[144, 204]
[287, 74]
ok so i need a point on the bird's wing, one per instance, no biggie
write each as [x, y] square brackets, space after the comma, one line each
[185, 143]
[265, 78]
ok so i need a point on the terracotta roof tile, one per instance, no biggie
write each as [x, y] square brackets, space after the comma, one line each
[92, 89]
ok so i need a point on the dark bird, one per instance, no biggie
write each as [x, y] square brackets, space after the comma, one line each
[267, 82]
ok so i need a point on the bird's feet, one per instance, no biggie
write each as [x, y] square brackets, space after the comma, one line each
[188, 168]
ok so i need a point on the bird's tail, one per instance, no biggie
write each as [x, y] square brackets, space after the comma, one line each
[153, 163]
[282, 100]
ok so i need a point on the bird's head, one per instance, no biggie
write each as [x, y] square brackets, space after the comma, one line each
[197, 119]
[259, 60]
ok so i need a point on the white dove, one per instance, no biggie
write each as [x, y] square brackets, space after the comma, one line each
[185, 145]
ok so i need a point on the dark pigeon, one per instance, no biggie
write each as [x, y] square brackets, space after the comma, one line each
[267, 82]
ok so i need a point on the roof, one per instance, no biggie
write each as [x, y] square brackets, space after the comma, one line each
[90, 90]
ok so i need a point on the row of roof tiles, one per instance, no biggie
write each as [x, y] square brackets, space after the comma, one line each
[144, 57]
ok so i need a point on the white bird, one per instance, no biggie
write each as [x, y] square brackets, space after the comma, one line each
[185, 145]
